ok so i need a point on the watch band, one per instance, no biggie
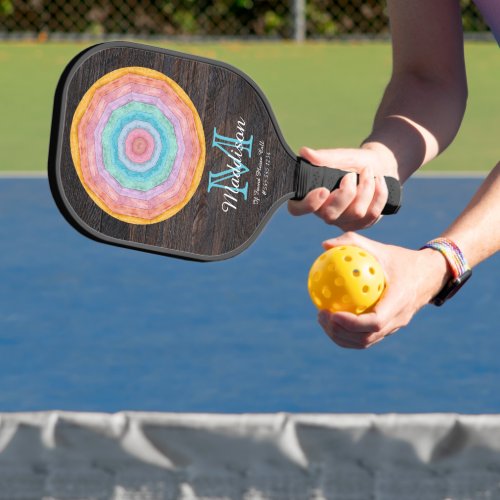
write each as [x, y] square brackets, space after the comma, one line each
[458, 265]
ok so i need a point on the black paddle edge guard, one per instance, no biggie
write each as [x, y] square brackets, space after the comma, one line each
[55, 147]
[309, 177]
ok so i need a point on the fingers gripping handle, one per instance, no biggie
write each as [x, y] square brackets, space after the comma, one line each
[309, 177]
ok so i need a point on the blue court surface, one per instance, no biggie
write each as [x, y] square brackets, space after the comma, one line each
[90, 327]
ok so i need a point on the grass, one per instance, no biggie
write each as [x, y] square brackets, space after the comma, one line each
[323, 94]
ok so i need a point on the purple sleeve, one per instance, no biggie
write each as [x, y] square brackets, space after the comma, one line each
[490, 9]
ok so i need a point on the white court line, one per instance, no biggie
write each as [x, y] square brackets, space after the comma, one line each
[23, 175]
[454, 174]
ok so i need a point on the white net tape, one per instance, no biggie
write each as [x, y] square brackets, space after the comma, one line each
[160, 456]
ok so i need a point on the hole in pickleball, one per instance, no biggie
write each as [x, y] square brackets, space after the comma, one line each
[346, 299]
[362, 254]
[327, 293]
[356, 273]
[337, 306]
[339, 281]
[360, 309]
[372, 270]
[348, 258]
[366, 289]
[317, 276]
[379, 287]
[317, 300]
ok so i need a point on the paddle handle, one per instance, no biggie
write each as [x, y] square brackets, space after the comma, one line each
[309, 177]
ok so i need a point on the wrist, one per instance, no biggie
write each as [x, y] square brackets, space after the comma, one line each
[437, 273]
[386, 157]
[457, 266]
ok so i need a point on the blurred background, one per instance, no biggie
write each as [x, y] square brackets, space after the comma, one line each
[342, 59]
[283, 19]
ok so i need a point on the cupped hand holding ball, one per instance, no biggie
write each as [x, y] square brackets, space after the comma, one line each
[367, 290]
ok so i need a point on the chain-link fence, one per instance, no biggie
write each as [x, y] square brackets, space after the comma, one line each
[206, 18]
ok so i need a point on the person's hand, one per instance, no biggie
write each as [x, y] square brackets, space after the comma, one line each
[413, 278]
[351, 206]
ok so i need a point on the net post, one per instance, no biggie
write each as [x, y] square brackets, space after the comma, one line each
[299, 20]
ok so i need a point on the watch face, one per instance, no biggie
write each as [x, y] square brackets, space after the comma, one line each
[451, 288]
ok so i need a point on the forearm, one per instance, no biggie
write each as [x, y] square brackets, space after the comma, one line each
[416, 120]
[424, 103]
[477, 230]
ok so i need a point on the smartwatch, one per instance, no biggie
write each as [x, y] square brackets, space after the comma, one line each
[460, 270]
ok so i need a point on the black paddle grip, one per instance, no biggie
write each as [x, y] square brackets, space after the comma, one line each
[309, 177]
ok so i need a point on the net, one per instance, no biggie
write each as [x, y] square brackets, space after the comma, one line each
[159, 456]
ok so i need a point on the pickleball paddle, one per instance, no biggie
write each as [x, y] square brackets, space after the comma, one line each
[172, 153]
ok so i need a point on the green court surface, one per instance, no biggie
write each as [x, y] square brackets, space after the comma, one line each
[323, 95]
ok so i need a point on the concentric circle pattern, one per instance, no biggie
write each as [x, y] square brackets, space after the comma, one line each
[138, 145]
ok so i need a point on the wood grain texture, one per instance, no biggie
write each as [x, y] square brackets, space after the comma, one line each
[222, 97]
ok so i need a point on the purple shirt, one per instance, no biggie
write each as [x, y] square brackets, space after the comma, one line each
[490, 9]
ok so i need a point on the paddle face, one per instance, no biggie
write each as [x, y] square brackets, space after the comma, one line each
[165, 152]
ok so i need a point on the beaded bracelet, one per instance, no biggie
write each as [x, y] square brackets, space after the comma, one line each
[460, 269]
[452, 254]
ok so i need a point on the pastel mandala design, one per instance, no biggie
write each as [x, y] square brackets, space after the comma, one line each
[138, 145]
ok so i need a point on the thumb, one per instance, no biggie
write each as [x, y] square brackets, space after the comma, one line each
[349, 238]
[338, 158]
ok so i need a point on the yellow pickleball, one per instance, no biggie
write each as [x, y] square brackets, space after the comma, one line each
[346, 278]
